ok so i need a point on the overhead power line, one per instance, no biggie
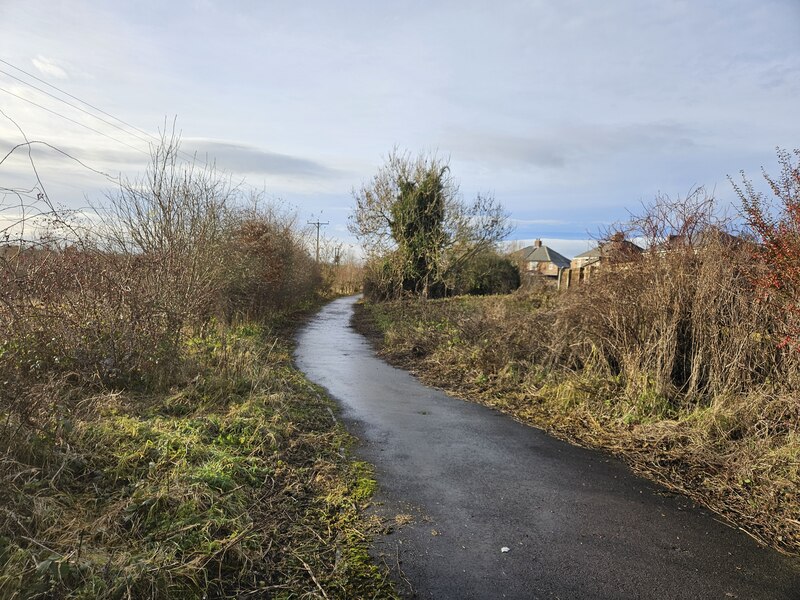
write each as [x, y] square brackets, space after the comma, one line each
[80, 108]
[60, 151]
[151, 137]
[58, 114]
[58, 89]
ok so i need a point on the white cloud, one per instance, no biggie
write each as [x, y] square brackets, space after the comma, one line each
[538, 222]
[569, 112]
[48, 67]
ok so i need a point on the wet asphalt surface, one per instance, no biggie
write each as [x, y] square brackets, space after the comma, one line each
[577, 523]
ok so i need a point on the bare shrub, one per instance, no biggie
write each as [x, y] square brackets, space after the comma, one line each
[341, 267]
[776, 224]
[681, 320]
[267, 265]
[347, 278]
[93, 316]
[109, 299]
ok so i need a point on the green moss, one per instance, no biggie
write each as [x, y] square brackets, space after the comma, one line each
[365, 485]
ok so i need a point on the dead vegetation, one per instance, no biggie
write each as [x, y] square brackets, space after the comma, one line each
[155, 440]
[672, 360]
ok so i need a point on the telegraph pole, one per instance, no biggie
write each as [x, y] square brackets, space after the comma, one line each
[318, 224]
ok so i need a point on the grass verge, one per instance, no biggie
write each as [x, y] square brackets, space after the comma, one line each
[236, 484]
[739, 456]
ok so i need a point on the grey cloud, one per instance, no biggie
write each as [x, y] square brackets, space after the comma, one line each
[52, 152]
[505, 148]
[557, 147]
[249, 159]
[652, 136]
[238, 158]
[781, 75]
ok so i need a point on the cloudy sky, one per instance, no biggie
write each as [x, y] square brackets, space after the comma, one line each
[569, 112]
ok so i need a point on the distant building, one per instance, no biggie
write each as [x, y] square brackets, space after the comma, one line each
[540, 261]
[698, 239]
[617, 250]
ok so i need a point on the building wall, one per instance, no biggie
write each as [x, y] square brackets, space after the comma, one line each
[542, 268]
[577, 263]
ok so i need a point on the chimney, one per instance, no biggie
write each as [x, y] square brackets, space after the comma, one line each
[537, 243]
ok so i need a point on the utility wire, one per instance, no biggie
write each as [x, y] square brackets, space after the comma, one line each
[74, 121]
[31, 75]
[92, 106]
[76, 107]
[60, 151]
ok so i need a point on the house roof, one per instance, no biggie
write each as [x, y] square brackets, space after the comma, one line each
[699, 238]
[612, 246]
[542, 254]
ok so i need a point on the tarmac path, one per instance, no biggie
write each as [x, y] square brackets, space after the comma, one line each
[576, 523]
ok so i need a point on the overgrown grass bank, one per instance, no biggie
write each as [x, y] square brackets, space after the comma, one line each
[738, 454]
[236, 483]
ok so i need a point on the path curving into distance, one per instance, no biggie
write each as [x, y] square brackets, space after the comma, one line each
[577, 523]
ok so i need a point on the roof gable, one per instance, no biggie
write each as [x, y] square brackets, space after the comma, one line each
[542, 254]
[606, 248]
